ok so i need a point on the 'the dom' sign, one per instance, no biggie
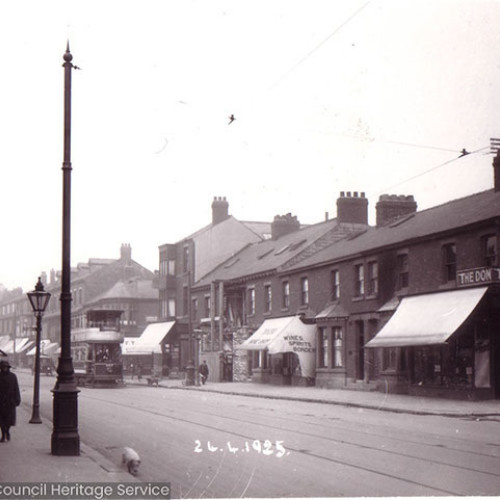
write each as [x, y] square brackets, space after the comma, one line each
[478, 276]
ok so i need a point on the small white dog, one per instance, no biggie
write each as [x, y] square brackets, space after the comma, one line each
[132, 459]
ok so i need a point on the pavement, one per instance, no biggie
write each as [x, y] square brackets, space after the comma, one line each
[27, 457]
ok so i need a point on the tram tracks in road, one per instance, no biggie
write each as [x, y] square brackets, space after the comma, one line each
[202, 413]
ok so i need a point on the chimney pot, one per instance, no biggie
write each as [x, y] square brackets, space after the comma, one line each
[352, 209]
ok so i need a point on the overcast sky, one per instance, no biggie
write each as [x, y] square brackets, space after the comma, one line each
[329, 96]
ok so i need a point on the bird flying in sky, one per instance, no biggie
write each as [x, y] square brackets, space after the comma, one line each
[231, 119]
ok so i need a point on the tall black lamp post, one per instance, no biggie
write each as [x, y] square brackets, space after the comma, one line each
[65, 438]
[39, 299]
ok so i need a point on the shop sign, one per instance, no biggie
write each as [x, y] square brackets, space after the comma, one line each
[478, 276]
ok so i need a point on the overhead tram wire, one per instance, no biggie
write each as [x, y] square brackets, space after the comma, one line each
[431, 169]
[312, 51]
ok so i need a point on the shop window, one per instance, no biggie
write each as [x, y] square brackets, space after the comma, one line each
[372, 278]
[402, 270]
[338, 347]
[285, 294]
[207, 306]
[267, 298]
[489, 250]
[359, 280]
[450, 262]
[389, 358]
[323, 348]
[335, 280]
[304, 291]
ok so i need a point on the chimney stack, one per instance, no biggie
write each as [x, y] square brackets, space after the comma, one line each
[496, 171]
[352, 208]
[392, 207]
[126, 253]
[284, 224]
[220, 210]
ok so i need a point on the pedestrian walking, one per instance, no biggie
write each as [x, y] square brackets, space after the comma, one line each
[203, 371]
[10, 398]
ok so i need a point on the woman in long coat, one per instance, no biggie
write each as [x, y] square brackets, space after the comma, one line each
[10, 398]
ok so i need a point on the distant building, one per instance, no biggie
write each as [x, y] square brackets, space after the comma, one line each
[188, 260]
[97, 284]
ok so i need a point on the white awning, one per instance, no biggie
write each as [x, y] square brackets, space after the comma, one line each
[289, 334]
[21, 345]
[428, 319]
[151, 338]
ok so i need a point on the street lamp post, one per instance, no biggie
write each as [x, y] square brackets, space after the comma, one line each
[65, 438]
[39, 299]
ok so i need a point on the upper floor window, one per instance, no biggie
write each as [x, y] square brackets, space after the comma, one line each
[450, 262]
[285, 287]
[372, 278]
[194, 307]
[335, 280]
[489, 250]
[251, 301]
[267, 298]
[185, 258]
[185, 300]
[304, 291]
[359, 280]
[402, 270]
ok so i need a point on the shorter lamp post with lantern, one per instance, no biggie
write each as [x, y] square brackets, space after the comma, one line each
[39, 300]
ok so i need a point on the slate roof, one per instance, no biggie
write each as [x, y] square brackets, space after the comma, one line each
[130, 289]
[450, 216]
[269, 255]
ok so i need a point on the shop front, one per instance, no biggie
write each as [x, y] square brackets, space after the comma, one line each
[284, 352]
[447, 344]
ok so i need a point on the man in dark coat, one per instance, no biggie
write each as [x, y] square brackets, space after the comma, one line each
[203, 371]
[10, 398]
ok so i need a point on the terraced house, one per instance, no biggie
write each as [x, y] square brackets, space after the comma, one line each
[410, 305]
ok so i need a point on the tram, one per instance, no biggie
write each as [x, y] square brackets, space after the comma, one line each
[96, 349]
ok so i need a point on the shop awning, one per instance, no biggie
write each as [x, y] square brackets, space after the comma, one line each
[428, 319]
[21, 345]
[151, 339]
[289, 334]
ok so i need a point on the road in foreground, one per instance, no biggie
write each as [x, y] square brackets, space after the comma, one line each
[214, 445]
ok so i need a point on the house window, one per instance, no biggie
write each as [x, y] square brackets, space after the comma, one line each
[450, 262]
[171, 267]
[267, 298]
[285, 294]
[304, 291]
[323, 348]
[335, 280]
[372, 278]
[338, 347]
[489, 244]
[251, 301]
[185, 259]
[402, 269]
[171, 308]
[359, 280]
